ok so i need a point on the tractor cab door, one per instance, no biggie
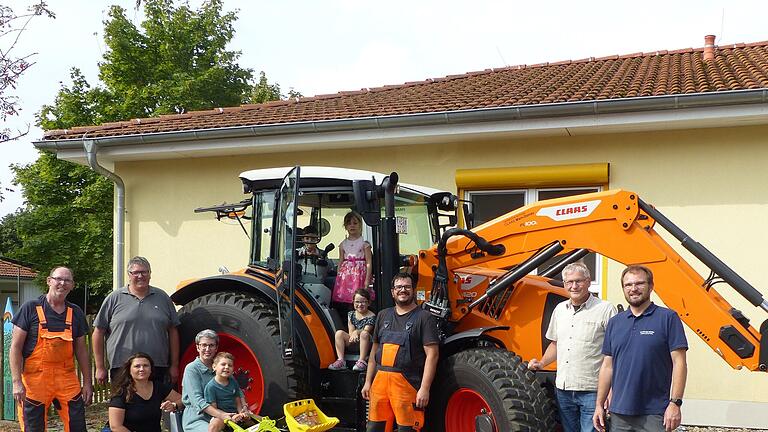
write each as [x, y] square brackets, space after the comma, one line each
[285, 243]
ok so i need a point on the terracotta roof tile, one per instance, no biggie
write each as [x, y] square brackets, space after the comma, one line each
[12, 270]
[658, 73]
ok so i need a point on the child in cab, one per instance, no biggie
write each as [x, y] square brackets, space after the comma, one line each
[355, 262]
[360, 322]
[224, 394]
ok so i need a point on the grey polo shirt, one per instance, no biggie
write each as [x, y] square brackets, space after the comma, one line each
[579, 333]
[132, 324]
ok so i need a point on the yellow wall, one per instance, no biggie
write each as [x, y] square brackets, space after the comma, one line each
[711, 182]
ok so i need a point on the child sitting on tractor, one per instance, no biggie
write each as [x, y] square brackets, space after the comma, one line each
[360, 322]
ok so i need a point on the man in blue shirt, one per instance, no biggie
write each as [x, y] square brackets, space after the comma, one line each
[644, 364]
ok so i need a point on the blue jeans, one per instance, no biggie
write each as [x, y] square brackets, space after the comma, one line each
[576, 409]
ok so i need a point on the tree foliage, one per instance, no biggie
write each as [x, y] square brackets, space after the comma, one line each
[9, 236]
[175, 62]
[67, 220]
[263, 91]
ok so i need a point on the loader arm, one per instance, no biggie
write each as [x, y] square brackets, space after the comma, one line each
[620, 226]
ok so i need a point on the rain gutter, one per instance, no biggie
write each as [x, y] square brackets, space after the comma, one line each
[512, 113]
[91, 149]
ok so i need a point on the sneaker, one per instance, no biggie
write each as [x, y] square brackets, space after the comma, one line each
[339, 364]
[360, 365]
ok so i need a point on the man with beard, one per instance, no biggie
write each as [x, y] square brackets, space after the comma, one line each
[644, 365]
[576, 332]
[404, 360]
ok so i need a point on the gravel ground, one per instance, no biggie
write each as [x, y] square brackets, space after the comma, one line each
[96, 416]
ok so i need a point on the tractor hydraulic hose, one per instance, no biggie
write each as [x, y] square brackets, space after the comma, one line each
[438, 299]
[481, 243]
[519, 272]
[568, 258]
[708, 258]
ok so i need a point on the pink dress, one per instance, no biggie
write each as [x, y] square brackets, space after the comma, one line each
[351, 273]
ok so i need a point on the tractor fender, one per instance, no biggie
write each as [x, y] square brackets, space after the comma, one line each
[241, 283]
[459, 341]
[219, 283]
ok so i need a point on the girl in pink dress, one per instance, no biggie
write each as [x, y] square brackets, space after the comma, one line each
[355, 260]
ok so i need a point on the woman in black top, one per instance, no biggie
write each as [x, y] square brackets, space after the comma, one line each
[137, 400]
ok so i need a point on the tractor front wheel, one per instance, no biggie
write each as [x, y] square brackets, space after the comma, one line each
[248, 328]
[493, 382]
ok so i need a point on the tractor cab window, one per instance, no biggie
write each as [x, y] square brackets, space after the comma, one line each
[261, 226]
[413, 223]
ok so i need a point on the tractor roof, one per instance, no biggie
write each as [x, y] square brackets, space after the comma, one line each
[271, 178]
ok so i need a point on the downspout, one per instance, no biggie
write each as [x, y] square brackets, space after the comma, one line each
[90, 153]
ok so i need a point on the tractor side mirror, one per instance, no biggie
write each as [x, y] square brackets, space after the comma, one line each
[367, 201]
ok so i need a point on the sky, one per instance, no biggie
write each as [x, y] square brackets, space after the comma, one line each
[320, 47]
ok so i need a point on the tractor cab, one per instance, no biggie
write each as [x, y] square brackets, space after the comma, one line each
[297, 224]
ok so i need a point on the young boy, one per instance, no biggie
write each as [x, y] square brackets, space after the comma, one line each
[224, 393]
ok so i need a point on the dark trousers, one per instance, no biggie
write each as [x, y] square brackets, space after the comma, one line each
[637, 423]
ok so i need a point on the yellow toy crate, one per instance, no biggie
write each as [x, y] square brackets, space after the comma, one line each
[263, 424]
[297, 408]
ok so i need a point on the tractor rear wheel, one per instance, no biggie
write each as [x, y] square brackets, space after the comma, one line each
[491, 381]
[248, 328]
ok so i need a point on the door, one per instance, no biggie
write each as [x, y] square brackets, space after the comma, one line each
[285, 277]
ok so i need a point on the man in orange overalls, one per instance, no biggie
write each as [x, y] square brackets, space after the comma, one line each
[47, 334]
[405, 351]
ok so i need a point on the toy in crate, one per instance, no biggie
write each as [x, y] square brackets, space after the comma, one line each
[263, 424]
[304, 416]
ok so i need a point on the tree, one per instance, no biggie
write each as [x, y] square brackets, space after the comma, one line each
[263, 91]
[67, 220]
[176, 62]
[9, 236]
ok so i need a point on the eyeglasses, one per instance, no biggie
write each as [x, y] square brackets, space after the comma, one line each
[139, 273]
[361, 302]
[402, 287]
[61, 280]
[203, 346]
[575, 282]
[635, 284]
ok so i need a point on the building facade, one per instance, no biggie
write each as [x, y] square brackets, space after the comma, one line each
[684, 129]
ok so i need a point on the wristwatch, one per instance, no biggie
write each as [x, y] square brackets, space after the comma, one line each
[676, 401]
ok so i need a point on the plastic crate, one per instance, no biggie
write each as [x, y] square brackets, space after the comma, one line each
[294, 409]
[265, 424]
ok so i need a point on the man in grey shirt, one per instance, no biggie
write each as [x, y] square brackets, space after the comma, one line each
[577, 329]
[137, 317]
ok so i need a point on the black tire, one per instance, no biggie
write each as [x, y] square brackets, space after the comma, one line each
[516, 400]
[253, 321]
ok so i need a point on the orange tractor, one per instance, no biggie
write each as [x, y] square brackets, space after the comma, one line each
[276, 316]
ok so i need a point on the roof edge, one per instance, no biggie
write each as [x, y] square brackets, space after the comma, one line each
[509, 113]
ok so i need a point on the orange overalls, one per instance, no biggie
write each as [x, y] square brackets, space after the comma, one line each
[49, 377]
[398, 377]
